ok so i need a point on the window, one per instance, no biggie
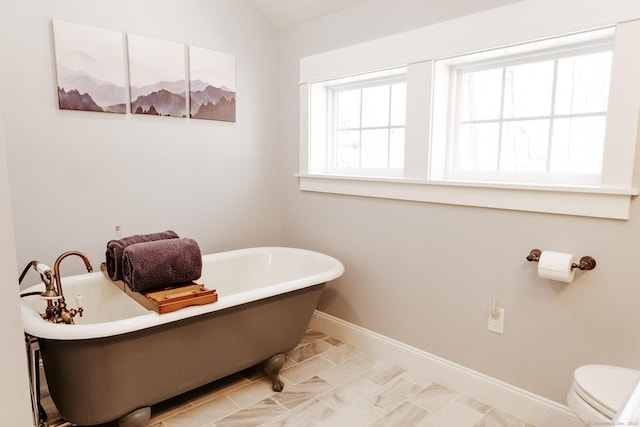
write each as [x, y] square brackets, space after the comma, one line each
[532, 113]
[364, 116]
[544, 126]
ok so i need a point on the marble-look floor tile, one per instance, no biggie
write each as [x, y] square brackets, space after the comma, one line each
[407, 415]
[305, 370]
[434, 397]
[474, 404]
[418, 379]
[203, 415]
[497, 418]
[252, 393]
[253, 416]
[393, 395]
[360, 414]
[382, 373]
[309, 414]
[345, 371]
[349, 393]
[333, 341]
[307, 351]
[300, 393]
[341, 352]
[457, 414]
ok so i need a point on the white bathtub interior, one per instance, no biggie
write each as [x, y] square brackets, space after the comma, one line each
[100, 299]
[247, 270]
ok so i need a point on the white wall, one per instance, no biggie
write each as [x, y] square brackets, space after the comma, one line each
[424, 274]
[74, 175]
[14, 393]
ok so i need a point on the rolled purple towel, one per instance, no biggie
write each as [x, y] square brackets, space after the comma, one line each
[150, 266]
[115, 250]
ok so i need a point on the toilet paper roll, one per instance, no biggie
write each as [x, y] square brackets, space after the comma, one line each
[556, 266]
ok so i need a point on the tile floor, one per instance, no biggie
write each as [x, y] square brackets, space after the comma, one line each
[329, 384]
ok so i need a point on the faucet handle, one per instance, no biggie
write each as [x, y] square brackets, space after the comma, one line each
[78, 303]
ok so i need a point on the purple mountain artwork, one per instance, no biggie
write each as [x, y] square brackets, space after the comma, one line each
[161, 102]
[157, 75]
[212, 84]
[212, 103]
[90, 68]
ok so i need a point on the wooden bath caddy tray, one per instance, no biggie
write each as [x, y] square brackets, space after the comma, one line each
[171, 298]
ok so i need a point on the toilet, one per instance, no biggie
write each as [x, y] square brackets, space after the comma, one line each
[600, 391]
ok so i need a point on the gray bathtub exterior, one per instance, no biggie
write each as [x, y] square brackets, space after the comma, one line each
[93, 381]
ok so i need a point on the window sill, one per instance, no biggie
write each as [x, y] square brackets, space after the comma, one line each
[581, 201]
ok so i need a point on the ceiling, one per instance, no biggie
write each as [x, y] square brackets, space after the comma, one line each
[289, 13]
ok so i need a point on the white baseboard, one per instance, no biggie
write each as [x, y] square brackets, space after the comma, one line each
[520, 403]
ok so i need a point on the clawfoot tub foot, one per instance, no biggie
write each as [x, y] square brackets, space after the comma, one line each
[137, 418]
[272, 369]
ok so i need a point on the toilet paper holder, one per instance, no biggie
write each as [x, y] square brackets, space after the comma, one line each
[586, 262]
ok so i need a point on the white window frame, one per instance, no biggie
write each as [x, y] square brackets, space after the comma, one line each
[417, 50]
[601, 40]
[332, 166]
[324, 99]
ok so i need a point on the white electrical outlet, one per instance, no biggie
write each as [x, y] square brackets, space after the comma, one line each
[496, 320]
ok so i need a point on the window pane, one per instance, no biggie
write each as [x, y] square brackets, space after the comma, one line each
[528, 90]
[396, 148]
[583, 83]
[478, 147]
[375, 148]
[398, 104]
[532, 112]
[363, 135]
[578, 145]
[375, 106]
[524, 146]
[481, 93]
[348, 109]
[348, 149]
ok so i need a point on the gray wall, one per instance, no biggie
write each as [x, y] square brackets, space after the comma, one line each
[424, 273]
[74, 175]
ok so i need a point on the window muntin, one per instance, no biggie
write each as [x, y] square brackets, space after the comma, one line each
[359, 124]
[534, 116]
[369, 126]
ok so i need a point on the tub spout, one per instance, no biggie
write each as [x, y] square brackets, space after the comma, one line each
[56, 267]
[58, 312]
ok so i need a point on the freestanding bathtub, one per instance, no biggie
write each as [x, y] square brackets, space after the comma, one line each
[120, 358]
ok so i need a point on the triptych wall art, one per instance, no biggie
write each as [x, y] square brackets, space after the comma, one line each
[90, 65]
